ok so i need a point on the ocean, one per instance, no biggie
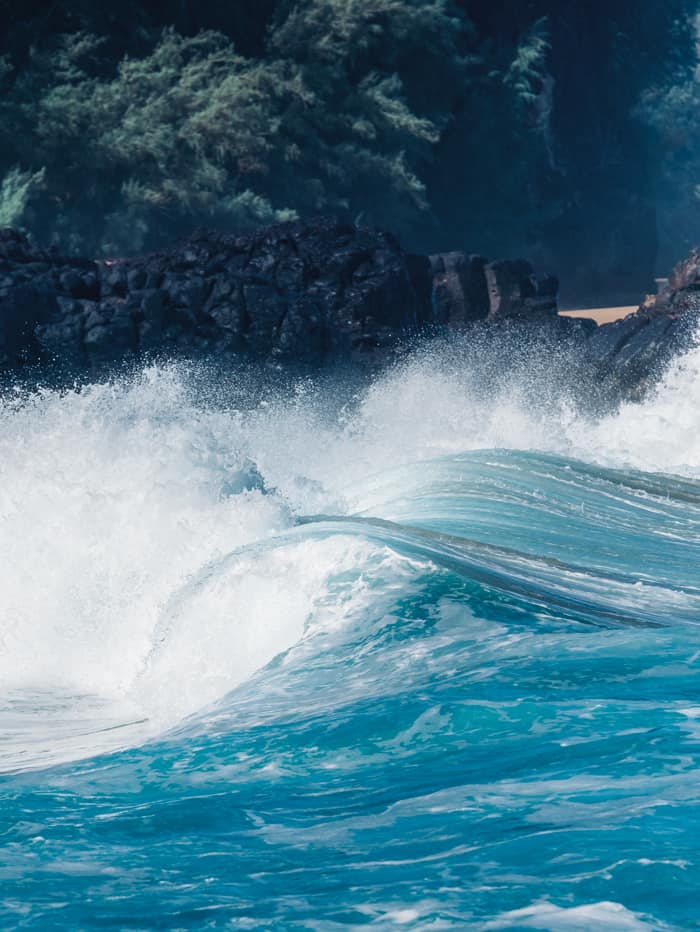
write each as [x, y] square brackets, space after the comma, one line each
[421, 653]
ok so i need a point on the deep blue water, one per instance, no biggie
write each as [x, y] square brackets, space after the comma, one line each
[270, 670]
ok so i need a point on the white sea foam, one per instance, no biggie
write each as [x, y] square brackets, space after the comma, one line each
[114, 497]
[435, 406]
[613, 917]
[660, 435]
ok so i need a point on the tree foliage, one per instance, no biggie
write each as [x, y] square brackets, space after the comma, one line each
[16, 191]
[341, 113]
[509, 127]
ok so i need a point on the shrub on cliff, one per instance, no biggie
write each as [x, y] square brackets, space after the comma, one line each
[168, 138]
[16, 190]
[340, 113]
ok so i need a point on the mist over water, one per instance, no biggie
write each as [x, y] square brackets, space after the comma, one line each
[456, 593]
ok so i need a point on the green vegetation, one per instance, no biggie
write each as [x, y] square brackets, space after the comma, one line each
[15, 192]
[517, 126]
[341, 112]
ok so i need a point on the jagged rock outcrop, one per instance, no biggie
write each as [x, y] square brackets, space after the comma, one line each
[307, 293]
[459, 289]
[633, 351]
[294, 291]
[470, 288]
[301, 292]
[514, 291]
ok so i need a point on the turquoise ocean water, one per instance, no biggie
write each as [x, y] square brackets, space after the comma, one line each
[414, 657]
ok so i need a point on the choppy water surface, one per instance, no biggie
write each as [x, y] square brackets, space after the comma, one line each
[425, 657]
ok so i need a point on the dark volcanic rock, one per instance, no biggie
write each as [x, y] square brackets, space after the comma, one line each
[306, 293]
[470, 288]
[37, 305]
[514, 291]
[301, 292]
[460, 291]
[634, 351]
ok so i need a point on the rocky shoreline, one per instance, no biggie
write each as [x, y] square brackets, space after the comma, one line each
[304, 293]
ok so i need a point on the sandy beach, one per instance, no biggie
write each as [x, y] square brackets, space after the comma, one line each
[601, 315]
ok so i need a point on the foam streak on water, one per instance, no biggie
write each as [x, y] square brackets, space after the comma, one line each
[423, 655]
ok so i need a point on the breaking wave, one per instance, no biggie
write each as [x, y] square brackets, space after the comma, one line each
[421, 653]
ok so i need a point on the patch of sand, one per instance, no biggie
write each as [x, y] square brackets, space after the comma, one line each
[601, 315]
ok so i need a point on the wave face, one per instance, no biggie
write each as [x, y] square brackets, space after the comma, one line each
[423, 654]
